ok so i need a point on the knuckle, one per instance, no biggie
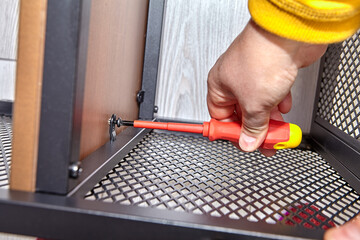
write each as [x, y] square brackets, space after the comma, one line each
[255, 120]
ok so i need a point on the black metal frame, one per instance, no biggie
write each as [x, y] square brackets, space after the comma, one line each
[151, 58]
[66, 42]
[67, 26]
[49, 215]
[6, 108]
[99, 163]
[58, 217]
[339, 149]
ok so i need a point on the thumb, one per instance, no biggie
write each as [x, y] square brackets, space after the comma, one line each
[254, 130]
[350, 230]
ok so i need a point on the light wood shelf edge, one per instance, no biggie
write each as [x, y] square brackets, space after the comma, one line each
[26, 114]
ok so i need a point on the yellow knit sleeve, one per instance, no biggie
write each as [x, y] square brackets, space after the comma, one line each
[313, 21]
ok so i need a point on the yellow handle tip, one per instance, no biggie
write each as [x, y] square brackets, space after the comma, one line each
[295, 138]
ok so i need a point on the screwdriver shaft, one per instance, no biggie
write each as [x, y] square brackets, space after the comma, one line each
[179, 127]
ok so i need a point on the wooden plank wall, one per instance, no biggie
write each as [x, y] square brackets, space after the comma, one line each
[195, 34]
[303, 96]
[9, 21]
[114, 67]
[7, 79]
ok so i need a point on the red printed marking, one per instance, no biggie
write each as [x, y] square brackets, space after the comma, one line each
[299, 213]
[314, 221]
[308, 225]
[325, 227]
[309, 211]
[321, 218]
[303, 215]
[315, 208]
[288, 222]
[293, 209]
[296, 219]
[331, 223]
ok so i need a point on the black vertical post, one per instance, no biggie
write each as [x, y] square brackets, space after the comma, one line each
[62, 92]
[151, 58]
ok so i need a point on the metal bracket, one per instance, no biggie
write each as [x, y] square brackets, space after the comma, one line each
[140, 96]
[112, 123]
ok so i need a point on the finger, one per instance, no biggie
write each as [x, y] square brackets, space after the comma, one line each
[285, 104]
[350, 230]
[234, 117]
[219, 111]
[238, 112]
[254, 129]
[267, 152]
[275, 114]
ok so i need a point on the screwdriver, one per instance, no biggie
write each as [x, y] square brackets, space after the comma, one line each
[280, 135]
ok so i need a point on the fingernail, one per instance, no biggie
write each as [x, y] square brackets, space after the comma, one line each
[247, 143]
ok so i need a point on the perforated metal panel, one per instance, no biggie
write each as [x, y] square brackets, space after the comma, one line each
[339, 102]
[5, 148]
[191, 174]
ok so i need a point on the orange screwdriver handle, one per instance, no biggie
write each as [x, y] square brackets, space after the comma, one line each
[222, 130]
[280, 134]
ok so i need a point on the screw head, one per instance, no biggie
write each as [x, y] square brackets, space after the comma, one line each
[75, 170]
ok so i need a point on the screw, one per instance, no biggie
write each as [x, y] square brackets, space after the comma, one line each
[75, 170]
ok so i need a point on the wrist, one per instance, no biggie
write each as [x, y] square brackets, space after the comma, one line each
[301, 53]
[290, 47]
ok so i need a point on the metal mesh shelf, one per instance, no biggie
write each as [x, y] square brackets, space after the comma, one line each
[5, 148]
[191, 174]
[339, 101]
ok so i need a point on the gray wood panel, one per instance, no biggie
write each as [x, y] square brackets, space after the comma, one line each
[303, 96]
[7, 80]
[195, 34]
[9, 23]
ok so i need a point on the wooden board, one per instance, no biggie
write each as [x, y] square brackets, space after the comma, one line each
[195, 34]
[28, 94]
[9, 21]
[114, 67]
[303, 96]
[7, 79]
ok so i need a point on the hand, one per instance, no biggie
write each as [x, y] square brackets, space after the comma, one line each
[251, 81]
[350, 230]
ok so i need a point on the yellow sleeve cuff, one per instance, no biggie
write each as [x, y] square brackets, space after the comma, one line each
[291, 22]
